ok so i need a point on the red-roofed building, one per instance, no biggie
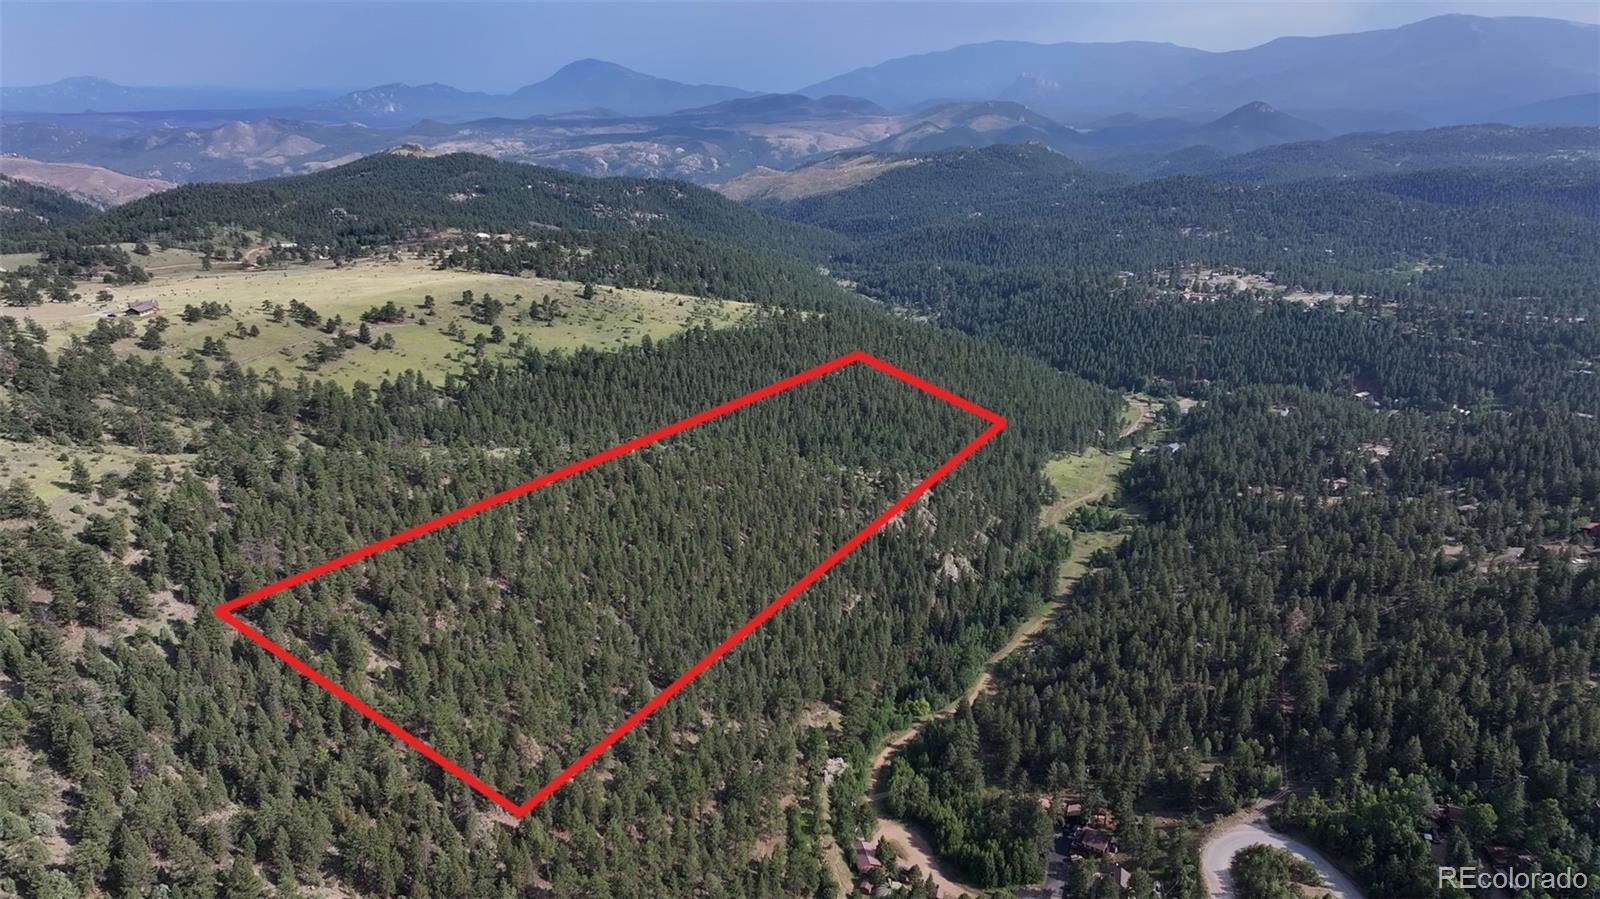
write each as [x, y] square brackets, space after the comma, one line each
[866, 857]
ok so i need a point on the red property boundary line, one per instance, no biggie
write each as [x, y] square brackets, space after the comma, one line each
[226, 610]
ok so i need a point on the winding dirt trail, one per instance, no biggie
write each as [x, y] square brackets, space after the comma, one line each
[1140, 413]
[913, 846]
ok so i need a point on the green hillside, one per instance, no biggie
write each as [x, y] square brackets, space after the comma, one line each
[29, 211]
[656, 235]
[395, 195]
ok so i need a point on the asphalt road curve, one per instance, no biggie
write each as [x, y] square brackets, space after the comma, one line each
[1221, 844]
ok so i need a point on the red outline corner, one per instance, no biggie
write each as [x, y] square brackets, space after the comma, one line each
[226, 610]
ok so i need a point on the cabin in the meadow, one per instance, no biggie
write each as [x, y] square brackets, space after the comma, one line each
[143, 307]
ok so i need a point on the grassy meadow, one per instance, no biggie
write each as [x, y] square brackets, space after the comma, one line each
[46, 468]
[433, 343]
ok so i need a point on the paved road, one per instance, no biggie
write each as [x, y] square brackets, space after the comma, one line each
[1248, 830]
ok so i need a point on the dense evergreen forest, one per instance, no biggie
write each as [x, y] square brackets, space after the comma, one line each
[1022, 210]
[1360, 558]
[662, 235]
[29, 210]
[170, 765]
[1364, 566]
[1325, 596]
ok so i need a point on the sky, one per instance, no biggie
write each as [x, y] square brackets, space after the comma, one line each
[498, 47]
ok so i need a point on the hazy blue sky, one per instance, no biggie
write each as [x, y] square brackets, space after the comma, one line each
[500, 46]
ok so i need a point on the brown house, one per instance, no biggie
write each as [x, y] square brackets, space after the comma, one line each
[1451, 815]
[1096, 841]
[866, 857]
[143, 307]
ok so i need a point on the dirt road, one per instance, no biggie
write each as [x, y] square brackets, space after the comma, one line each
[1142, 412]
[913, 845]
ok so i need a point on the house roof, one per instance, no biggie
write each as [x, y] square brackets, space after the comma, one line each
[866, 856]
[1091, 838]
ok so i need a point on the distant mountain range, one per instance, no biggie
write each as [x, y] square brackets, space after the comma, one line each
[593, 84]
[1578, 109]
[1443, 70]
[1136, 107]
[90, 94]
[585, 85]
[1567, 158]
[1497, 147]
[234, 150]
[707, 144]
[1447, 69]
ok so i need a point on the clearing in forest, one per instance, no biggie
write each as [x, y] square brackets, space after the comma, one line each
[257, 330]
[544, 622]
[47, 470]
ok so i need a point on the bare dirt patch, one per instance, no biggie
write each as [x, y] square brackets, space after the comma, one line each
[826, 177]
[89, 183]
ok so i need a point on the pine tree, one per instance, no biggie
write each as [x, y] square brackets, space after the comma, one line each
[132, 869]
[79, 480]
[240, 881]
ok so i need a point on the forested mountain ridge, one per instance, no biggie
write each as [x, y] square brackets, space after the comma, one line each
[388, 196]
[946, 186]
[214, 769]
[480, 214]
[28, 209]
[1014, 209]
[1478, 147]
